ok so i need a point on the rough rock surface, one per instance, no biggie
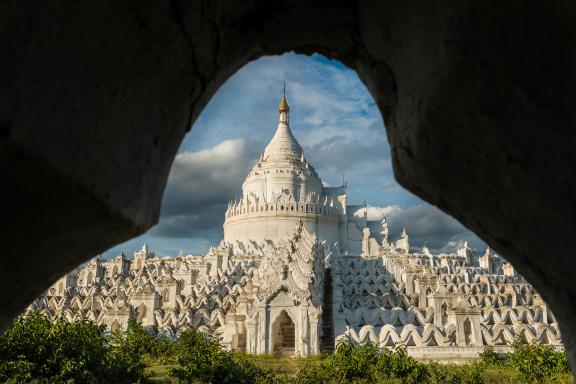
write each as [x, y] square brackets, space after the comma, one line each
[478, 99]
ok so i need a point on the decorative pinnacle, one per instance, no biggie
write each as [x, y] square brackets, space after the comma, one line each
[283, 107]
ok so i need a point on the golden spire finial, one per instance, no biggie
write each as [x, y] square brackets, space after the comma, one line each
[283, 107]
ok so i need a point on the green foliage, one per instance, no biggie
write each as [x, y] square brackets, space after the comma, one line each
[367, 364]
[364, 363]
[455, 374]
[490, 358]
[537, 363]
[533, 363]
[348, 362]
[198, 356]
[397, 364]
[136, 344]
[36, 349]
[33, 347]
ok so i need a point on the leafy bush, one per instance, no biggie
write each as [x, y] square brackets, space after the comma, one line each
[455, 374]
[199, 357]
[491, 358]
[397, 364]
[34, 347]
[537, 362]
[136, 344]
[364, 363]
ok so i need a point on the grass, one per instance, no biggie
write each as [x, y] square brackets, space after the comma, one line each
[158, 371]
[282, 365]
[288, 367]
[502, 375]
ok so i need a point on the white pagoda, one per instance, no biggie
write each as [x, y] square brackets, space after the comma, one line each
[299, 269]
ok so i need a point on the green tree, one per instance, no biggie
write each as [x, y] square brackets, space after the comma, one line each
[491, 358]
[134, 345]
[537, 363]
[35, 348]
[200, 357]
[363, 363]
[395, 363]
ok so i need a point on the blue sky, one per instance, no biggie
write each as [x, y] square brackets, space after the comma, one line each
[336, 121]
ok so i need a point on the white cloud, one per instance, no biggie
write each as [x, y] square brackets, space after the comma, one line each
[199, 187]
[208, 176]
[425, 223]
[377, 213]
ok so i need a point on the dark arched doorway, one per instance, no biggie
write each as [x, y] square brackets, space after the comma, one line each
[468, 335]
[283, 335]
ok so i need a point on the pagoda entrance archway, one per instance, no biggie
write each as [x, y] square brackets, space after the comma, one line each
[283, 335]
[468, 335]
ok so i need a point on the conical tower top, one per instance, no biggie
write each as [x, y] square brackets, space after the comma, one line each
[283, 145]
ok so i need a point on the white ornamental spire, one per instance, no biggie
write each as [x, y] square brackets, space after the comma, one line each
[283, 145]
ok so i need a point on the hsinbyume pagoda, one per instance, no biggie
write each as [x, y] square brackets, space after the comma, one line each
[300, 269]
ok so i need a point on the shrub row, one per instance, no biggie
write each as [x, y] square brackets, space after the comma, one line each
[527, 363]
[34, 348]
[367, 364]
[535, 363]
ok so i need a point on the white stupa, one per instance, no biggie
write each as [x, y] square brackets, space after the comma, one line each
[283, 189]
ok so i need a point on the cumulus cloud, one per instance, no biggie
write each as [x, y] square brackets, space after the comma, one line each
[208, 176]
[199, 187]
[378, 213]
[425, 223]
[341, 153]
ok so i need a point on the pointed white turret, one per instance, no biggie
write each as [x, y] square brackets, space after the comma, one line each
[403, 244]
[428, 254]
[283, 145]
[141, 256]
[508, 269]
[463, 251]
[489, 261]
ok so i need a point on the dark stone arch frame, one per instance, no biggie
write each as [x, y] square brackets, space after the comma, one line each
[478, 99]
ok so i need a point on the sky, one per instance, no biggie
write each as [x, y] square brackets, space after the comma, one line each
[338, 125]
